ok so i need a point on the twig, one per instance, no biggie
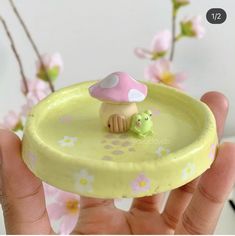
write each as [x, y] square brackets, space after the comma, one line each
[32, 43]
[173, 33]
[16, 54]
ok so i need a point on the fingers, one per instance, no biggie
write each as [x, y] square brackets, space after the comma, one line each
[23, 200]
[177, 202]
[150, 203]
[95, 216]
[87, 202]
[218, 104]
[202, 214]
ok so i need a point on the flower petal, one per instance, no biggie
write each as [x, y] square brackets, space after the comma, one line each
[180, 77]
[143, 53]
[161, 41]
[55, 211]
[68, 223]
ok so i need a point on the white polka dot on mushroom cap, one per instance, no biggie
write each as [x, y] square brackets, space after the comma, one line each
[135, 95]
[119, 87]
[109, 82]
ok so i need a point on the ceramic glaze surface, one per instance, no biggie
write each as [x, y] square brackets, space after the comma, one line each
[66, 145]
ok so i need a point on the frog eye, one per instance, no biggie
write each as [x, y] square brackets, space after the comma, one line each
[148, 112]
[138, 117]
[146, 118]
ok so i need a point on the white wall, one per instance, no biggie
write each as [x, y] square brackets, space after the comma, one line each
[98, 37]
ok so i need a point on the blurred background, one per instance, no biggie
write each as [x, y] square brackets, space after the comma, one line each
[96, 38]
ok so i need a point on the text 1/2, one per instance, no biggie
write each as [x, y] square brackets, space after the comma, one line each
[216, 16]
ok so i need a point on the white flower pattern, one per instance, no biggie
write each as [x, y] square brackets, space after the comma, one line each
[161, 151]
[84, 181]
[67, 141]
[188, 171]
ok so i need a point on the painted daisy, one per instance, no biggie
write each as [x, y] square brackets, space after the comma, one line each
[161, 151]
[188, 171]
[84, 181]
[141, 184]
[67, 141]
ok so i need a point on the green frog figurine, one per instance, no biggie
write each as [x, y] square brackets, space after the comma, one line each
[142, 124]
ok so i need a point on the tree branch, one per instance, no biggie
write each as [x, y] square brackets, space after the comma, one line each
[173, 33]
[13, 47]
[35, 48]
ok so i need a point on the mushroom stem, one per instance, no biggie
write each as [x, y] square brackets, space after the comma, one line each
[126, 110]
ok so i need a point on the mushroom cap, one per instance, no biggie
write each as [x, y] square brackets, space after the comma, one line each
[119, 87]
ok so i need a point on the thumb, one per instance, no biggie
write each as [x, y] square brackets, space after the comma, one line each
[22, 197]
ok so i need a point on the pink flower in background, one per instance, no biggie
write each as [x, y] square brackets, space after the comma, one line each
[160, 71]
[143, 53]
[159, 46]
[30, 102]
[212, 151]
[141, 184]
[53, 64]
[161, 42]
[38, 90]
[50, 191]
[66, 208]
[192, 27]
[12, 121]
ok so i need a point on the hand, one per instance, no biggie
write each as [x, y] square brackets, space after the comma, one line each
[190, 209]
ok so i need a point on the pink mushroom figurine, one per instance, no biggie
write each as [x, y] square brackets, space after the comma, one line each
[119, 93]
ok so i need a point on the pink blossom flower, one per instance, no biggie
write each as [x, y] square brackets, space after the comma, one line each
[50, 191]
[160, 72]
[161, 42]
[12, 121]
[53, 64]
[141, 184]
[159, 46]
[31, 101]
[143, 53]
[212, 151]
[38, 90]
[192, 27]
[66, 208]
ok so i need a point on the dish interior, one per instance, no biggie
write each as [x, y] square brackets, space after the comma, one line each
[72, 126]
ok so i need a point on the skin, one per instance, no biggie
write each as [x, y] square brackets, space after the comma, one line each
[191, 209]
[141, 124]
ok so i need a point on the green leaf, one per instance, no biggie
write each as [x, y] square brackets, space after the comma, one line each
[158, 55]
[187, 29]
[178, 4]
[18, 127]
[53, 74]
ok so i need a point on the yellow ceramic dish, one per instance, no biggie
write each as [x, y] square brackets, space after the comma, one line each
[65, 144]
